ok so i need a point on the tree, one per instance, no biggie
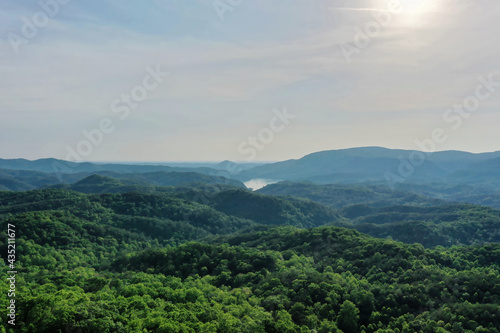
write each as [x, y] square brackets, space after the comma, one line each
[348, 318]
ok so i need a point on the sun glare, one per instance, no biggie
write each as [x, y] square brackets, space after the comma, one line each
[418, 12]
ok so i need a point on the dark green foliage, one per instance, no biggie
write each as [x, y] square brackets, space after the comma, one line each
[110, 182]
[150, 182]
[410, 218]
[471, 193]
[430, 226]
[341, 195]
[171, 262]
[348, 317]
[271, 210]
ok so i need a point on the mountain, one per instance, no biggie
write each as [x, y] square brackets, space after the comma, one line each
[348, 165]
[485, 173]
[55, 166]
[452, 160]
[375, 165]
[42, 165]
[233, 167]
[371, 164]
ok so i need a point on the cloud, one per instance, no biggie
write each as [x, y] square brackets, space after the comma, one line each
[228, 76]
[354, 9]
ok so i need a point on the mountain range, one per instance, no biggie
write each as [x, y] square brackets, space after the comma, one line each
[382, 165]
[330, 246]
[355, 165]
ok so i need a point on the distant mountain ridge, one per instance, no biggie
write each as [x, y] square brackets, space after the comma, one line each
[52, 165]
[90, 182]
[372, 164]
[119, 183]
[353, 165]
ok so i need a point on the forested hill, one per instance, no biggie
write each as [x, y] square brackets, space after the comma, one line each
[408, 217]
[107, 181]
[212, 212]
[284, 279]
[52, 165]
[189, 207]
[201, 259]
[342, 195]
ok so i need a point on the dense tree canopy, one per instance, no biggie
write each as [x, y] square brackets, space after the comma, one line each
[180, 262]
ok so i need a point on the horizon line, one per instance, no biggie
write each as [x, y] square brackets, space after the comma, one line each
[245, 162]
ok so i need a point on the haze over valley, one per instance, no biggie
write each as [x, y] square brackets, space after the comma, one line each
[228, 166]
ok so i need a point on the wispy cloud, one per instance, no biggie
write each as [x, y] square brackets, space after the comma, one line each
[227, 76]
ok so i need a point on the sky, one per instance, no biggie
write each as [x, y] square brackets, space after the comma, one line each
[241, 80]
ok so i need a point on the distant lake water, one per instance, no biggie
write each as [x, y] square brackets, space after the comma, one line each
[257, 184]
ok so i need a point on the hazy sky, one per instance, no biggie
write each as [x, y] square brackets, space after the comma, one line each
[233, 65]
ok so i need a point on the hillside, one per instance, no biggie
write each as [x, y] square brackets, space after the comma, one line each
[430, 226]
[103, 278]
[410, 218]
[273, 211]
[189, 205]
[51, 165]
[155, 218]
[229, 210]
[341, 195]
[344, 165]
[105, 181]
[483, 173]
[121, 183]
[22, 180]
[469, 193]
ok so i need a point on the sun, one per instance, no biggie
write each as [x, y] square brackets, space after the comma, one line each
[418, 12]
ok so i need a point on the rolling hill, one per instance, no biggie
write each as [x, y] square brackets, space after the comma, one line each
[22, 180]
[190, 260]
[341, 195]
